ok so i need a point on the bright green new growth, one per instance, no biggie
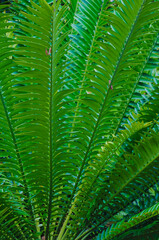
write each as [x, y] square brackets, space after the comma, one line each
[79, 105]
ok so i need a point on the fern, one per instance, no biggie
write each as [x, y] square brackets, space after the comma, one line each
[79, 129]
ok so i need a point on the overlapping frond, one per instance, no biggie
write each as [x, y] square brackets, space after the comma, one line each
[110, 196]
[120, 227]
[145, 88]
[105, 89]
[5, 231]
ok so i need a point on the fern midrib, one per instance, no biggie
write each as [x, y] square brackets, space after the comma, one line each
[137, 81]
[51, 124]
[18, 154]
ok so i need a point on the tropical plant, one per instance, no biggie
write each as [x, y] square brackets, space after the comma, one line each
[79, 108]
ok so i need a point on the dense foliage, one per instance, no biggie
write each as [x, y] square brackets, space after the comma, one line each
[79, 127]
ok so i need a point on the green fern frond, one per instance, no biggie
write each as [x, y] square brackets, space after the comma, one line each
[109, 194]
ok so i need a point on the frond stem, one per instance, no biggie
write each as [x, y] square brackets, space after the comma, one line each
[51, 111]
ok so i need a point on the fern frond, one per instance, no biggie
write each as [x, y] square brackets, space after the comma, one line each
[74, 117]
[109, 194]
[116, 229]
